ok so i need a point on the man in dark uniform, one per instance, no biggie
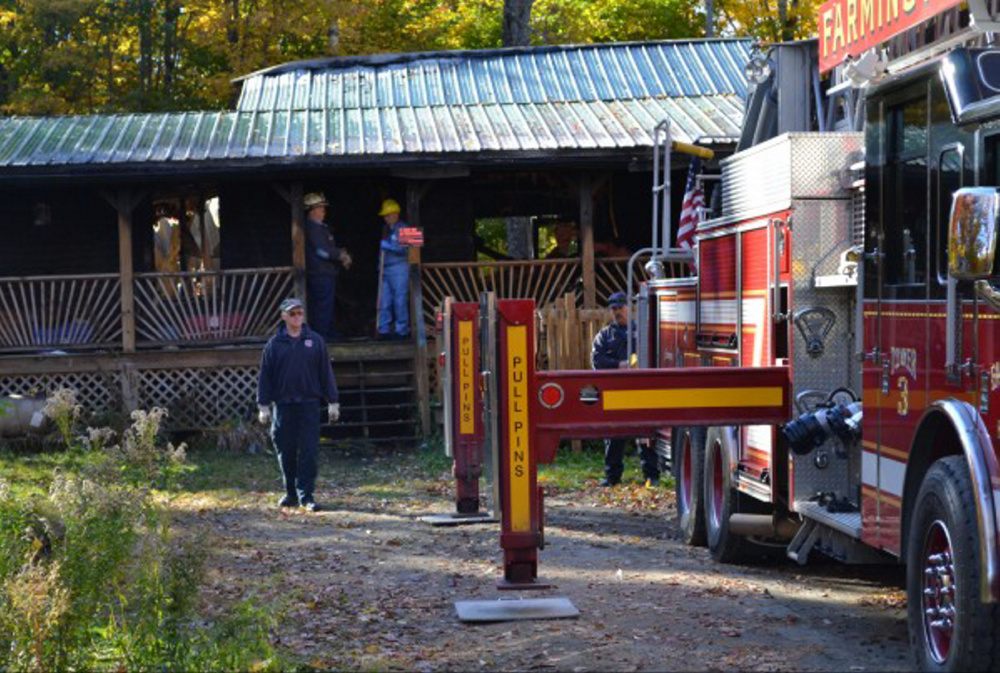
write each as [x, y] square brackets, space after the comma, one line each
[295, 377]
[610, 351]
[323, 263]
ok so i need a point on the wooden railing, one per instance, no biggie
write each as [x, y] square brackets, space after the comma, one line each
[611, 274]
[545, 281]
[541, 280]
[60, 312]
[232, 305]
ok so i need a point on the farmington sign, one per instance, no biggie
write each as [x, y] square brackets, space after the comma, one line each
[849, 27]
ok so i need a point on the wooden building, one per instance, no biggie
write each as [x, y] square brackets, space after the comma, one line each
[143, 256]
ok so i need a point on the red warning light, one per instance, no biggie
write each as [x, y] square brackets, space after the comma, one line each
[551, 395]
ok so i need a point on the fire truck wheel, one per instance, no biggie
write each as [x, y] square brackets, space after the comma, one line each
[688, 468]
[722, 500]
[951, 629]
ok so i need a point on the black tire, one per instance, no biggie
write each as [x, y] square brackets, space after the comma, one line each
[721, 500]
[688, 458]
[959, 633]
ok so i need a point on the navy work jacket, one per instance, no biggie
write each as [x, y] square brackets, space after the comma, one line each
[295, 370]
[322, 253]
[610, 346]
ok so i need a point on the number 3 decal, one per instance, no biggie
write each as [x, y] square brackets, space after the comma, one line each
[903, 407]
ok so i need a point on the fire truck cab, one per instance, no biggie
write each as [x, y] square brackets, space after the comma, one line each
[865, 262]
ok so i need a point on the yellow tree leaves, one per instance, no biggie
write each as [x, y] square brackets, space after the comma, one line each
[768, 20]
[78, 56]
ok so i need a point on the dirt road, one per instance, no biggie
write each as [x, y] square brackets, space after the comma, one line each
[365, 585]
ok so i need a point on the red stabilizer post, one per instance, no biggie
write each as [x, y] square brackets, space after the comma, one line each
[467, 406]
[521, 535]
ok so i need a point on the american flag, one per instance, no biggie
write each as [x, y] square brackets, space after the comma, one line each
[694, 203]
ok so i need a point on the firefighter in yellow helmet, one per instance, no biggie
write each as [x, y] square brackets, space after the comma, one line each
[394, 277]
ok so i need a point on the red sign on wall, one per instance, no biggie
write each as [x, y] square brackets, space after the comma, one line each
[849, 27]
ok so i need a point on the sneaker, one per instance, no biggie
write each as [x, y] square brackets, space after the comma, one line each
[652, 482]
[609, 482]
[288, 501]
[310, 505]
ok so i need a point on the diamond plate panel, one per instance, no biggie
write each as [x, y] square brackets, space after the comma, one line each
[821, 229]
[765, 178]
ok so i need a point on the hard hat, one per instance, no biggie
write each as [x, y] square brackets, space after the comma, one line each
[388, 206]
[313, 199]
[617, 299]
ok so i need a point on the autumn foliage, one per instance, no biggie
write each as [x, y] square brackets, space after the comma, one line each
[79, 56]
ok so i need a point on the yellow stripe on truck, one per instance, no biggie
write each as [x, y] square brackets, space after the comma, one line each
[680, 398]
[517, 430]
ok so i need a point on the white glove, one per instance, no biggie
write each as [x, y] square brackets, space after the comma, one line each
[334, 411]
[264, 414]
[345, 259]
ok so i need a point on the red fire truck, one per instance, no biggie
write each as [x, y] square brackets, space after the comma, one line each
[865, 263]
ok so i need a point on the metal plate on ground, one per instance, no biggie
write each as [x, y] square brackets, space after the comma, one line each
[456, 519]
[515, 610]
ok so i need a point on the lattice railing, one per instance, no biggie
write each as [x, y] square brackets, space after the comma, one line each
[97, 392]
[230, 305]
[199, 397]
[64, 312]
[542, 280]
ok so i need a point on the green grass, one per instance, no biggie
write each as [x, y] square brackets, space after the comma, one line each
[378, 473]
[31, 473]
[574, 469]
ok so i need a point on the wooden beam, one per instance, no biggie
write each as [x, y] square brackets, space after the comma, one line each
[587, 240]
[415, 192]
[240, 356]
[298, 238]
[125, 204]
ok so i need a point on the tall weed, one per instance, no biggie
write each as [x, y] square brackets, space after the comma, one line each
[93, 575]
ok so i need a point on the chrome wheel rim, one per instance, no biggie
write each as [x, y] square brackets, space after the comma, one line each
[685, 471]
[938, 595]
[717, 485]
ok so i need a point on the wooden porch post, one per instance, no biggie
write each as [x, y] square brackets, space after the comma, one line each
[415, 191]
[293, 197]
[587, 240]
[298, 239]
[124, 202]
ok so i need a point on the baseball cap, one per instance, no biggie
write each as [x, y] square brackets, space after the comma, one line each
[617, 299]
[290, 303]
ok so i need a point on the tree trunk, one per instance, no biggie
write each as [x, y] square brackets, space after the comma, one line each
[233, 30]
[785, 29]
[171, 13]
[145, 20]
[517, 23]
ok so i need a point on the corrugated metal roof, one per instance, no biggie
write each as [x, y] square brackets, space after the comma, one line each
[543, 99]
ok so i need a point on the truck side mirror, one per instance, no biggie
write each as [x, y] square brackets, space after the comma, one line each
[972, 232]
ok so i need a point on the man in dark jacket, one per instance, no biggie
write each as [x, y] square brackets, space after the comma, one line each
[323, 263]
[610, 351]
[295, 377]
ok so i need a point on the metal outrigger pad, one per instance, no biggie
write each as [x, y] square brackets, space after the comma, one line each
[457, 519]
[507, 610]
